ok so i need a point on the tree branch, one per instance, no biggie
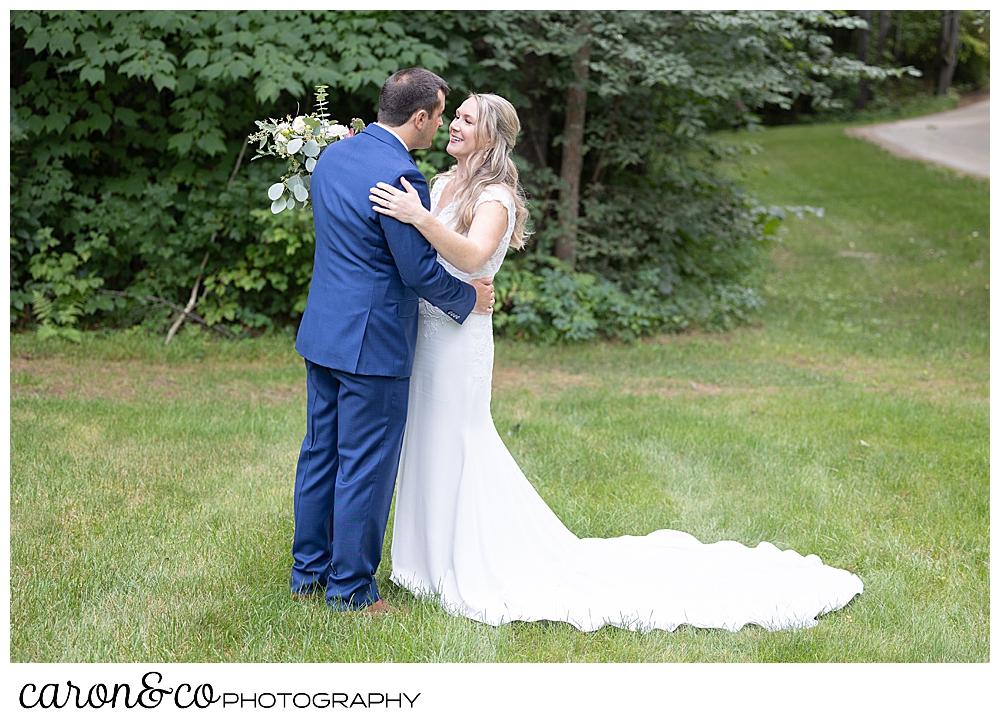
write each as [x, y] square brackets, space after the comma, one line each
[607, 140]
[192, 301]
[239, 160]
[186, 312]
[157, 300]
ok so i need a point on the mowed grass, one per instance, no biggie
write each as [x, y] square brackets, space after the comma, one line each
[151, 486]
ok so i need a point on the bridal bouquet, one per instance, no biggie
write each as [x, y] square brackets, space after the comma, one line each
[300, 140]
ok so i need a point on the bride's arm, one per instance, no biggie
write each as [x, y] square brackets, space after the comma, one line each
[467, 254]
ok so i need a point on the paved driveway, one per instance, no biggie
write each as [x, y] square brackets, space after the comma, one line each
[958, 139]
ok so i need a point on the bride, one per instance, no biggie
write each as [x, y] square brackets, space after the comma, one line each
[469, 527]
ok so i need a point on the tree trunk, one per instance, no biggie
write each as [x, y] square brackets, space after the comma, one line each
[864, 40]
[897, 44]
[572, 155]
[537, 135]
[950, 21]
[884, 25]
[535, 118]
[612, 124]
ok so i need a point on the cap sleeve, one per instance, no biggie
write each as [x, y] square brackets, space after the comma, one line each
[501, 194]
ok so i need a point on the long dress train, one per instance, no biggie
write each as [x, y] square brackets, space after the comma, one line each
[470, 528]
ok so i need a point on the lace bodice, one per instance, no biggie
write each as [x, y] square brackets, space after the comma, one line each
[447, 217]
[431, 317]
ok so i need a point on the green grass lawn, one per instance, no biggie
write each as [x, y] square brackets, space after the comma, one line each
[151, 486]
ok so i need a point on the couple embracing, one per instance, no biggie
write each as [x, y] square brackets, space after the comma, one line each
[398, 345]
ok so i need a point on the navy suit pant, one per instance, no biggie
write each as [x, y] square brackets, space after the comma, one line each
[344, 482]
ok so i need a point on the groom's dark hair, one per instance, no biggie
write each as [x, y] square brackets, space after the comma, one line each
[405, 92]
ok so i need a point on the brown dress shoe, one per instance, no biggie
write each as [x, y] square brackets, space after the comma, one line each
[309, 591]
[380, 607]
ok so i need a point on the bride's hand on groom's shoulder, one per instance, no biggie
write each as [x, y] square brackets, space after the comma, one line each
[484, 295]
[404, 206]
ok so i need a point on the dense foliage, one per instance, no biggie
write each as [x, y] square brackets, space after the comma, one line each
[128, 171]
[913, 37]
[894, 38]
[126, 130]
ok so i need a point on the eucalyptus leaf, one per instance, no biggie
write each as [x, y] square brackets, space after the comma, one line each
[278, 206]
[310, 164]
[294, 145]
[275, 191]
[311, 148]
[301, 194]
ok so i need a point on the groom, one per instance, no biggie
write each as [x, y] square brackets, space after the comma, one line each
[357, 336]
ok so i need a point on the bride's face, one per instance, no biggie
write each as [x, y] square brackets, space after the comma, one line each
[462, 131]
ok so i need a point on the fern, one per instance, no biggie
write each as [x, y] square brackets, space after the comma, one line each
[56, 322]
[41, 305]
[70, 314]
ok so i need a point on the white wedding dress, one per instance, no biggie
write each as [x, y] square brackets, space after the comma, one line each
[470, 529]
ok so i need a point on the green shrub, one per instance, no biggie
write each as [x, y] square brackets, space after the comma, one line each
[680, 246]
[540, 299]
[127, 162]
[129, 175]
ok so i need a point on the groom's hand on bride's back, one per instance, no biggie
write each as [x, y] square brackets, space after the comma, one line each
[484, 295]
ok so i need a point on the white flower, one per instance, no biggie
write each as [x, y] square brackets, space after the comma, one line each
[299, 140]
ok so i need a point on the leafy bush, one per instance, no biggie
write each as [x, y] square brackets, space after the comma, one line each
[131, 190]
[679, 246]
[127, 155]
[540, 299]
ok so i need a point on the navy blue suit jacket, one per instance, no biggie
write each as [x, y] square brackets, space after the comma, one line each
[361, 315]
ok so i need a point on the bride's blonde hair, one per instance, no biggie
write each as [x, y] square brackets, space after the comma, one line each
[497, 127]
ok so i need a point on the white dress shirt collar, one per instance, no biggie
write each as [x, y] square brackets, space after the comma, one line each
[394, 133]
